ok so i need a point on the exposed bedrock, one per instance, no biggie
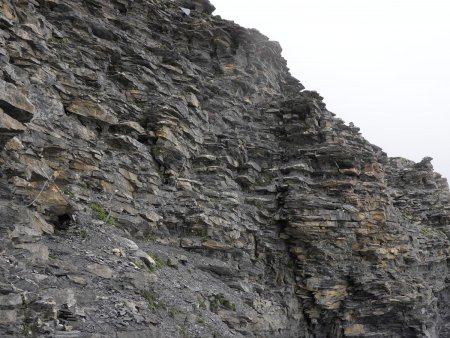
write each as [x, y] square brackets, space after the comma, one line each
[163, 175]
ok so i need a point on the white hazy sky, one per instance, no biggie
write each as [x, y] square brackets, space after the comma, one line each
[382, 64]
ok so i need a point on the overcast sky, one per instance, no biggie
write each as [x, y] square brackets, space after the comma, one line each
[382, 64]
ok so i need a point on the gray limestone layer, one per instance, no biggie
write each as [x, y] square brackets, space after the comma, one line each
[163, 175]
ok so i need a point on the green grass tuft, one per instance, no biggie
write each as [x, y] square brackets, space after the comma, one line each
[152, 302]
[101, 214]
[426, 231]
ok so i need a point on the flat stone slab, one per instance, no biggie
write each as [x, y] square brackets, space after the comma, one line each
[91, 110]
[15, 103]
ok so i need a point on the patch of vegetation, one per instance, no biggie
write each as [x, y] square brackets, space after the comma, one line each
[26, 330]
[152, 269]
[183, 330]
[157, 151]
[150, 237]
[219, 300]
[81, 233]
[426, 231]
[199, 232]
[202, 303]
[152, 302]
[26, 327]
[173, 313]
[201, 321]
[141, 266]
[160, 263]
[264, 178]
[101, 214]
[62, 41]
[69, 193]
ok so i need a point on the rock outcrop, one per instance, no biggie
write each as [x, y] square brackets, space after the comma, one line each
[163, 175]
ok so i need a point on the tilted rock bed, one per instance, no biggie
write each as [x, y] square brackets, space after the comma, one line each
[163, 175]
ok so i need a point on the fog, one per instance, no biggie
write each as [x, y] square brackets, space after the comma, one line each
[383, 65]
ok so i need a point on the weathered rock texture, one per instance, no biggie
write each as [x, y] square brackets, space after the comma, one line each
[163, 175]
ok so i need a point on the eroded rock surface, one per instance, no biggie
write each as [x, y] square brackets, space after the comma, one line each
[163, 175]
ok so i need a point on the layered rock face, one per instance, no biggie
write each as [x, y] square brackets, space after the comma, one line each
[163, 175]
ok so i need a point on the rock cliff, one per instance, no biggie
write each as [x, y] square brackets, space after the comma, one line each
[163, 175]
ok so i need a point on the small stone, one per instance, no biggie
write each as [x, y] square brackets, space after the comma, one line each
[46, 307]
[10, 301]
[5, 22]
[173, 69]
[182, 259]
[184, 185]
[127, 243]
[100, 270]
[192, 100]
[10, 125]
[132, 126]
[354, 330]
[118, 252]
[186, 11]
[172, 262]
[38, 223]
[39, 252]
[68, 328]
[132, 177]
[151, 216]
[246, 180]
[91, 110]
[14, 144]
[253, 165]
[215, 245]
[53, 200]
[79, 165]
[148, 261]
[23, 234]
[14, 103]
[77, 279]
[8, 316]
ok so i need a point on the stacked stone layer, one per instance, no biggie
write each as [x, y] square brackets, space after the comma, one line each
[163, 174]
